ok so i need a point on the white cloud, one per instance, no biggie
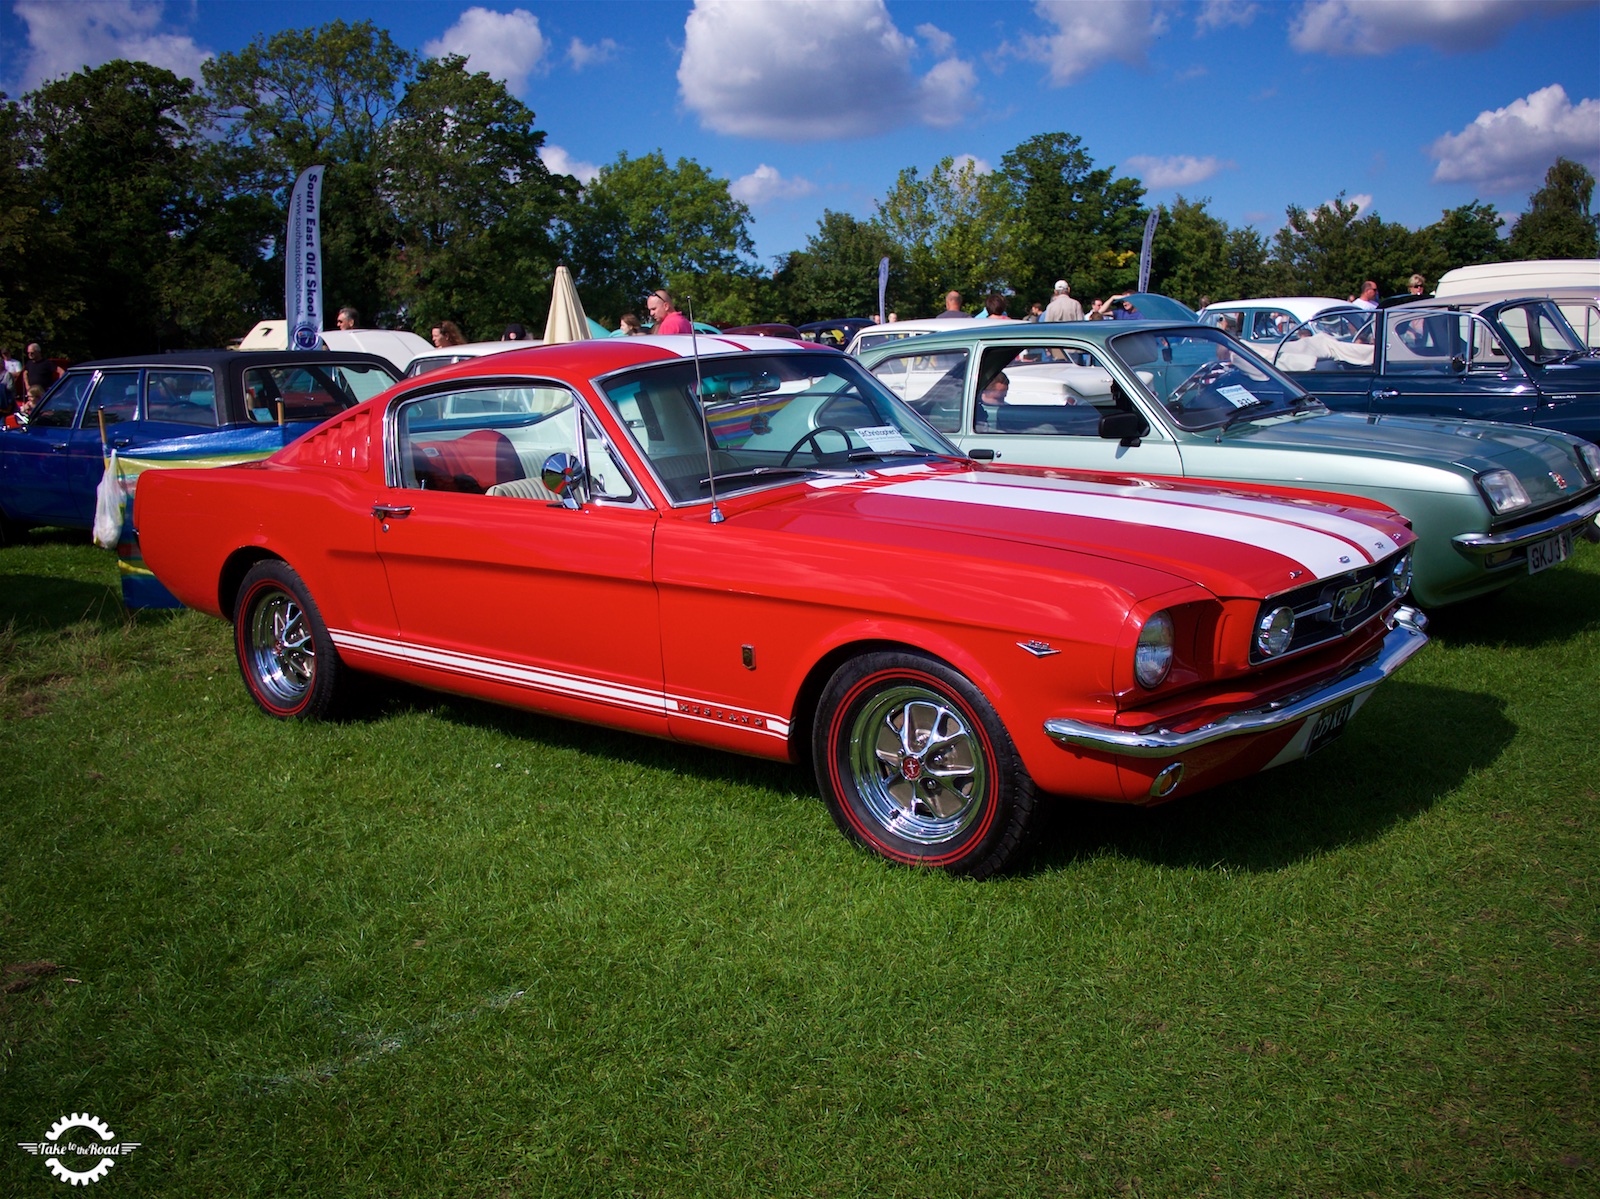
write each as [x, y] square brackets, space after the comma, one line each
[506, 45]
[1090, 35]
[940, 42]
[1219, 14]
[980, 166]
[581, 54]
[1351, 27]
[65, 38]
[561, 163]
[1362, 201]
[1509, 149]
[1177, 170]
[766, 184]
[812, 69]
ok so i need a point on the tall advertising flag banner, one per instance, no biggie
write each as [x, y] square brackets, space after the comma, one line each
[883, 289]
[302, 279]
[1144, 252]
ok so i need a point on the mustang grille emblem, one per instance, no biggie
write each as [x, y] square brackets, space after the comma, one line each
[1351, 600]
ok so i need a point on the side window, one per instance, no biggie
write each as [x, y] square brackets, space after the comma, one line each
[312, 392]
[607, 479]
[116, 396]
[61, 405]
[1487, 354]
[187, 397]
[1421, 345]
[484, 440]
[362, 382]
[933, 384]
[1041, 392]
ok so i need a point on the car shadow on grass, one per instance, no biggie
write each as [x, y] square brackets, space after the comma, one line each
[1411, 746]
[48, 603]
[1543, 610]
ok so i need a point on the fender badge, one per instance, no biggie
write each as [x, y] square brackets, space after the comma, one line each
[1559, 481]
[1039, 649]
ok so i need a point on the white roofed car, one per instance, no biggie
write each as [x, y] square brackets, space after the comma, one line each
[876, 335]
[1266, 321]
[1529, 277]
[433, 358]
[398, 346]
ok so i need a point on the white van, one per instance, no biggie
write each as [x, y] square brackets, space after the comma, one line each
[396, 345]
[1530, 277]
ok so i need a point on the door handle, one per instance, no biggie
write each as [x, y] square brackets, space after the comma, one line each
[391, 511]
[1384, 393]
[120, 443]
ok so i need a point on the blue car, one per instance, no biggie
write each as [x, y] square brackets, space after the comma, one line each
[1517, 361]
[242, 403]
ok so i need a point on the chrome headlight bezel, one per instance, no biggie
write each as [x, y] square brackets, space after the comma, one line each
[1400, 575]
[1154, 651]
[1503, 490]
[1274, 631]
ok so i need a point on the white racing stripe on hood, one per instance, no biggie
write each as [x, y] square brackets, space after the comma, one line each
[1279, 530]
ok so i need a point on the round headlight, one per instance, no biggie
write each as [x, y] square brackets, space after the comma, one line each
[1400, 575]
[1152, 657]
[1274, 631]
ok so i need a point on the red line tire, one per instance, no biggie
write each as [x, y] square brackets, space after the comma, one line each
[915, 764]
[289, 665]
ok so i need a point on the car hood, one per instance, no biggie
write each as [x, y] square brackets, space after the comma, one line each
[1231, 543]
[1545, 462]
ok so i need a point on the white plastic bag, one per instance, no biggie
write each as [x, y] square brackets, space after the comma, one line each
[108, 507]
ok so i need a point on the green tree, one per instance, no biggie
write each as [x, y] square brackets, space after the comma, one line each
[641, 224]
[305, 97]
[837, 273]
[1461, 236]
[1558, 223]
[1196, 255]
[1333, 249]
[1069, 220]
[37, 300]
[473, 203]
[947, 228]
[113, 172]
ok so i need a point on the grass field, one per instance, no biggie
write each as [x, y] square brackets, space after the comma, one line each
[448, 949]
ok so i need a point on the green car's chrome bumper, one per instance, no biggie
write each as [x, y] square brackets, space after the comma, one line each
[1477, 545]
[1405, 638]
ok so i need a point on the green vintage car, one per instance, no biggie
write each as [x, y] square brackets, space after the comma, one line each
[1489, 502]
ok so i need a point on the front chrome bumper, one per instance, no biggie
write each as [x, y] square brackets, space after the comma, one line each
[1476, 545]
[1406, 636]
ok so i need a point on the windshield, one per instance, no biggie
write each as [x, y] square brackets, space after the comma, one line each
[768, 416]
[1205, 379]
[1540, 331]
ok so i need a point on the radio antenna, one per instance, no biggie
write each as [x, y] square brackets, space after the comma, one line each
[699, 402]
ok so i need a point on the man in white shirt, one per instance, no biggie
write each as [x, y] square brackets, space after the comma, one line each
[1368, 298]
[1062, 306]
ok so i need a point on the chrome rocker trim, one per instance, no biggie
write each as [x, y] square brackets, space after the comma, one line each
[1477, 544]
[1407, 635]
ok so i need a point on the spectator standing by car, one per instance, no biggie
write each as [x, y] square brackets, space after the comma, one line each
[1368, 298]
[11, 368]
[1062, 306]
[448, 333]
[1035, 312]
[952, 305]
[664, 312]
[348, 318]
[630, 325]
[1417, 285]
[39, 371]
[995, 306]
[514, 332]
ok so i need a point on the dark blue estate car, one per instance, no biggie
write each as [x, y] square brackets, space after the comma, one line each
[1517, 361]
[246, 403]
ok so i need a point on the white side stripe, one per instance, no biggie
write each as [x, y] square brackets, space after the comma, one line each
[558, 683]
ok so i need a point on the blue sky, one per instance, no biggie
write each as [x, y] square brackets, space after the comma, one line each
[1408, 107]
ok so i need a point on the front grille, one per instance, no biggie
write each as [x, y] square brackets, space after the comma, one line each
[1331, 608]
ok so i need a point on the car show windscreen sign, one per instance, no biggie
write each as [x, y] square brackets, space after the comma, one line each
[302, 282]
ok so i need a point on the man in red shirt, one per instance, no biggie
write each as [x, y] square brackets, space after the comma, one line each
[665, 314]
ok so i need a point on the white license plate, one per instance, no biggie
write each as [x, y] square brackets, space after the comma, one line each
[1329, 725]
[1542, 555]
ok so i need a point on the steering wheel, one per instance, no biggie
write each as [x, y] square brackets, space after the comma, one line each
[1199, 375]
[816, 445]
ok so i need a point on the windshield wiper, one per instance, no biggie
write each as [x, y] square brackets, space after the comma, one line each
[757, 473]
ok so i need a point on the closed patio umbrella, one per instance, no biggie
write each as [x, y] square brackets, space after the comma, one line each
[566, 321]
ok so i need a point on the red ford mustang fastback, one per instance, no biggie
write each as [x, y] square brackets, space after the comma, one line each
[753, 545]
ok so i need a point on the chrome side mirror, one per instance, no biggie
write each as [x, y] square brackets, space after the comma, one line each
[564, 476]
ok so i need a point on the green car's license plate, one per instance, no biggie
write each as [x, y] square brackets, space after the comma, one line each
[1544, 554]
